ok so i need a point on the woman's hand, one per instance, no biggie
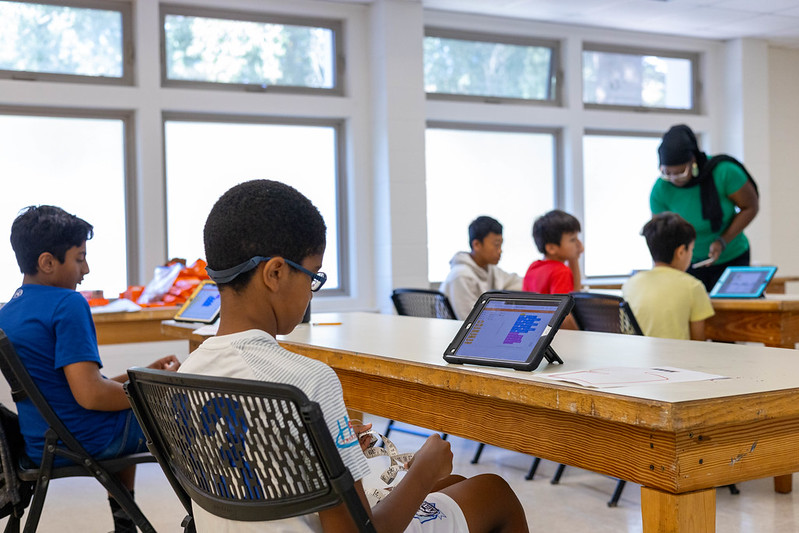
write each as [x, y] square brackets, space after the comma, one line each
[715, 250]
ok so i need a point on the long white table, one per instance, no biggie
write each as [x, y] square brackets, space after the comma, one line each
[677, 440]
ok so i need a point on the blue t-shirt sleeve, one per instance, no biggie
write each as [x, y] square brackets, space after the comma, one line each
[75, 338]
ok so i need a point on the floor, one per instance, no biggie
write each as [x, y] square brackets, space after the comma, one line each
[578, 503]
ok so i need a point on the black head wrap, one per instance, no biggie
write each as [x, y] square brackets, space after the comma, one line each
[678, 147]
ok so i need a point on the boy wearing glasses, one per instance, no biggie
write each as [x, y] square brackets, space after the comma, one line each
[264, 243]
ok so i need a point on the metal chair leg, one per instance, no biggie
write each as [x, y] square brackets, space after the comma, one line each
[533, 468]
[477, 453]
[614, 500]
[558, 473]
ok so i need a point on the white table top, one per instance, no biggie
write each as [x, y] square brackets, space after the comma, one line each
[751, 369]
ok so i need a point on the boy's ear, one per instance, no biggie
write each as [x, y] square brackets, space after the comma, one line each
[551, 248]
[46, 262]
[476, 243]
[274, 272]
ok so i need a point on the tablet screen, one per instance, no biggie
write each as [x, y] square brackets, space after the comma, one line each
[203, 306]
[506, 330]
[743, 282]
[511, 329]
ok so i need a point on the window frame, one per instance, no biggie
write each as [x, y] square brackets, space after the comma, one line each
[336, 26]
[558, 186]
[696, 85]
[127, 78]
[129, 165]
[339, 127]
[601, 132]
[555, 66]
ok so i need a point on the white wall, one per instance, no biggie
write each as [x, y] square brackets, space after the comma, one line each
[783, 136]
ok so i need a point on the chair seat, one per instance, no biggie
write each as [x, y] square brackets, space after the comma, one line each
[111, 465]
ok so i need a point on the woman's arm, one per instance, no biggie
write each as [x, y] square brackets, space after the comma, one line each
[747, 201]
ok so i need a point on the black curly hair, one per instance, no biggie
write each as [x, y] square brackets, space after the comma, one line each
[550, 227]
[46, 228]
[261, 218]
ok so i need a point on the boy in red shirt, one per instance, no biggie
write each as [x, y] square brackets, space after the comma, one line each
[556, 236]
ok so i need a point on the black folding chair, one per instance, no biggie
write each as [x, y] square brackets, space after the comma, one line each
[609, 314]
[59, 442]
[422, 302]
[242, 449]
[604, 312]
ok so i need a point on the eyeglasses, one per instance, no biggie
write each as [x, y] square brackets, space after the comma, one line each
[671, 176]
[229, 274]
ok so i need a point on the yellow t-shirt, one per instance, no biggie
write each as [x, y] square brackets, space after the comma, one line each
[665, 301]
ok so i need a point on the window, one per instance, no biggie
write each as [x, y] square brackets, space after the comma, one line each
[206, 156]
[506, 174]
[619, 173]
[66, 43]
[650, 80]
[77, 164]
[259, 53]
[480, 67]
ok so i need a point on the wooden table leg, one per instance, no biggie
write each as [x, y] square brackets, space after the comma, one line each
[783, 484]
[693, 512]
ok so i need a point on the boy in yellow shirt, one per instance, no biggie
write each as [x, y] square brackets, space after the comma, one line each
[666, 301]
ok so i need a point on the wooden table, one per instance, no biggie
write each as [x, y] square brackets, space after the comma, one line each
[773, 320]
[132, 326]
[775, 286]
[677, 440]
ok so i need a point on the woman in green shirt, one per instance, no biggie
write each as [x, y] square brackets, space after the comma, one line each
[715, 194]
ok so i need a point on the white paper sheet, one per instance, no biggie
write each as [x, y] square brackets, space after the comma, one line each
[627, 376]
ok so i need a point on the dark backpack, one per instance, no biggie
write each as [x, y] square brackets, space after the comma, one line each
[15, 495]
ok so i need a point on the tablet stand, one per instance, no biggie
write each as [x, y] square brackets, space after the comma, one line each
[551, 356]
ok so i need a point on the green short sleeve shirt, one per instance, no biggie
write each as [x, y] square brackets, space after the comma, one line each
[685, 201]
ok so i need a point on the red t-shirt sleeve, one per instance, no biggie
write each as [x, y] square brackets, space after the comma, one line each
[561, 280]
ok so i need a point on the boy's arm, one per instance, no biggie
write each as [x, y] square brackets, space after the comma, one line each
[393, 514]
[574, 266]
[698, 330]
[462, 297]
[92, 391]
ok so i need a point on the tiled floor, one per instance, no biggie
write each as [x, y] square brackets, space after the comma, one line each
[578, 503]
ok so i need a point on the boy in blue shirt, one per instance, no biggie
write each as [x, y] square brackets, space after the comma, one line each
[51, 328]
[264, 242]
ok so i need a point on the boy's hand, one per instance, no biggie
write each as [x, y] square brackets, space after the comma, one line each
[363, 440]
[169, 363]
[434, 457]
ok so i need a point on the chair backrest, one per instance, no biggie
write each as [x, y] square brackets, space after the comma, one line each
[242, 449]
[422, 302]
[604, 312]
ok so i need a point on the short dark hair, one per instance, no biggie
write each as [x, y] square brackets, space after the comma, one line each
[550, 227]
[665, 233]
[46, 228]
[261, 217]
[481, 227]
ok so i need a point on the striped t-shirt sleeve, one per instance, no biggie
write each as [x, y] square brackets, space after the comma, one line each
[270, 362]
